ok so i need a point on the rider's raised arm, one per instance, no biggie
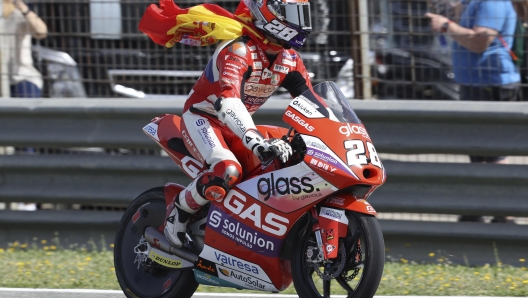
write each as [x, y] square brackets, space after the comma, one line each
[234, 64]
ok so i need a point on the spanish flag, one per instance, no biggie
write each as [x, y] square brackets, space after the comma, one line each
[200, 25]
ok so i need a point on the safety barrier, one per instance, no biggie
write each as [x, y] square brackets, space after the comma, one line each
[394, 126]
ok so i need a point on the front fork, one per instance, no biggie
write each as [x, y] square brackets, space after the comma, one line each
[316, 228]
[328, 226]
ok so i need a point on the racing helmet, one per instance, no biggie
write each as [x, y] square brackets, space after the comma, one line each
[287, 21]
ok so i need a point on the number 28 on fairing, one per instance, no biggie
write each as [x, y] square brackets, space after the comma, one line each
[356, 153]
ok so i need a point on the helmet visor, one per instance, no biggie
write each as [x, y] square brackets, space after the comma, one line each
[296, 14]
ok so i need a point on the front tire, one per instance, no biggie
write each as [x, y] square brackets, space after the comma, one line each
[362, 268]
[148, 209]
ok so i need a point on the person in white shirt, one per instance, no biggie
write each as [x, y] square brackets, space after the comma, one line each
[20, 25]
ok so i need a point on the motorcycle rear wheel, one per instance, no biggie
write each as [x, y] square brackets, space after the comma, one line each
[148, 209]
[363, 267]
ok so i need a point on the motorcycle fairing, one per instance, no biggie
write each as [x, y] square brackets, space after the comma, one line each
[206, 272]
[322, 158]
[338, 145]
[208, 279]
[288, 189]
[234, 270]
[349, 202]
[244, 235]
[166, 132]
[251, 230]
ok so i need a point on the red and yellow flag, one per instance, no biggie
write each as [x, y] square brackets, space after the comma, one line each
[200, 25]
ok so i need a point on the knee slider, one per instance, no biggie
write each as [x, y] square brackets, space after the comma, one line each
[214, 188]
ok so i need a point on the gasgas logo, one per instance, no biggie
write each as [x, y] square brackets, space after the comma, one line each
[270, 222]
[300, 121]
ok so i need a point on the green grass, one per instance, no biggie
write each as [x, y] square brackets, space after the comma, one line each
[23, 265]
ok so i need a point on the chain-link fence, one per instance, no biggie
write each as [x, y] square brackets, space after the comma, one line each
[383, 49]
[474, 47]
[94, 48]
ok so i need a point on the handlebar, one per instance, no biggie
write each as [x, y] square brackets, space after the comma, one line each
[267, 157]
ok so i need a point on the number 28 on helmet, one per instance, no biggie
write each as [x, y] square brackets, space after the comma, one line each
[287, 21]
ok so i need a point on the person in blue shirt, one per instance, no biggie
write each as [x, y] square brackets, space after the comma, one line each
[482, 63]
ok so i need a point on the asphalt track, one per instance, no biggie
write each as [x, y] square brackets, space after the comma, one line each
[53, 293]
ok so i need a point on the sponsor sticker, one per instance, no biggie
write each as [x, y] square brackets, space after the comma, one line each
[247, 281]
[152, 130]
[328, 157]
[266, 74]
[235, 59]
[305, 108]
[206, 266]
[165, 260]
[275, 79]
[299, 120]
[257, 65]
[286, 190]
[205, 279]
[281, 68]
[334, 214]
[207, 135]
[259, 90]
[289, 62]
[230, 74]
[229, 261]
[329, 234]
[243, 234]
[349, 129]
[336, 201]
[330, 248]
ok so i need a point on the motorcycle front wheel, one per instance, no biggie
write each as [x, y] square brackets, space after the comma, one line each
[357, 270]
[140, 278]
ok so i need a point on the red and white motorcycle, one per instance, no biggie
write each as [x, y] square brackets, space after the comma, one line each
[305, 221]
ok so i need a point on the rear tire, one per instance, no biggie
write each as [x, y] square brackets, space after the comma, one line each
[371, 254]
[148, 209]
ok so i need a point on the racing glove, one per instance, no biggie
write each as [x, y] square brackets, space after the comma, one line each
[233, 113]
[255, 142]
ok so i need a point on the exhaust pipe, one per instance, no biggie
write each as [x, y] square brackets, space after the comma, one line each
[156, 239]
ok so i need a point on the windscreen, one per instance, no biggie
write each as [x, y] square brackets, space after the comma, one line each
[331, 103]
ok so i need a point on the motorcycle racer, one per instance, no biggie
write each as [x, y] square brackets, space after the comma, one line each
[240, 77]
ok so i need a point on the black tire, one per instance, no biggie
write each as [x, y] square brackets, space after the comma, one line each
[363, 229]
[137, 282]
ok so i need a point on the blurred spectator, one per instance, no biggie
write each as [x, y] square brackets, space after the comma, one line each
[521, 7]
[482, 63]
[20, 24]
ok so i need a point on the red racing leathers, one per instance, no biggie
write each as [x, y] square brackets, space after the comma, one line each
[238, 69]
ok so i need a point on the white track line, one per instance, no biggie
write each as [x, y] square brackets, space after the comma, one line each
[88, 291]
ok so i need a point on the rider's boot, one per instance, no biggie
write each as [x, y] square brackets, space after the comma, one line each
[208, 187]
[186, 203]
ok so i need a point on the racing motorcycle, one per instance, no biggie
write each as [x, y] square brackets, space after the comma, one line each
[306, 221]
